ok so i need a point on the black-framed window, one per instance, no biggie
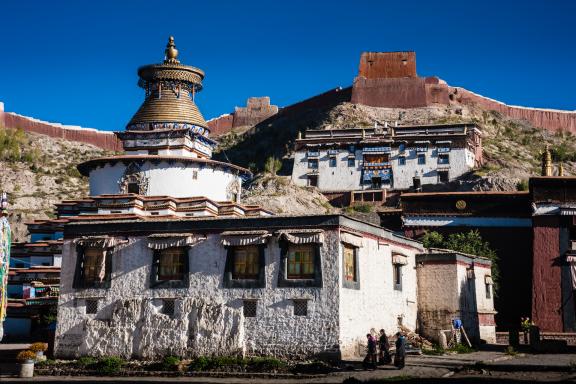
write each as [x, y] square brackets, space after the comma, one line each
[168, 307]
[397, 276]
[421, 158]
[300, 265]
[444, 158]
[250, 308]
[300, 307]
[245, 267]
[170, 268]
[401, 160]
[332, 161]
[93, 267]
[350, 271]
[313, 163]
[91, 306]
[134, 188]
[351, 162]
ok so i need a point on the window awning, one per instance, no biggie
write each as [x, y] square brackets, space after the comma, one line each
[99, 241]
[488, 280]
[240, 238]
[302, 236]
[170, 240]
[398, 258]
[351, 239]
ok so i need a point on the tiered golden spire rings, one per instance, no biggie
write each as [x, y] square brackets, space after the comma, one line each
[171, 53]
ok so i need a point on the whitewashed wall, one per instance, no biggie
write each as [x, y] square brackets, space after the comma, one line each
[339, 178]
[344, 178]
[484, 304]
[208, 318]
[166, 179]
[376, 305]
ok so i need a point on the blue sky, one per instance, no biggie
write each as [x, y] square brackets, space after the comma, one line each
[75, 62]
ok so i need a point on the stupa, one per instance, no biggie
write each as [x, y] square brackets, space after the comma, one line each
[167, 145]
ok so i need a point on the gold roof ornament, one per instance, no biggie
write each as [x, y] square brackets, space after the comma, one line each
[170, 91]
[171, 53]
[561, 169]
[547, 162]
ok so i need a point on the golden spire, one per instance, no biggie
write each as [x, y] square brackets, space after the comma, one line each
[561, 169]
[171, 53]
[547, 162]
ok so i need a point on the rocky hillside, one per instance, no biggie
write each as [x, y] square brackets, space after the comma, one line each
[512, 148]
[38, 171]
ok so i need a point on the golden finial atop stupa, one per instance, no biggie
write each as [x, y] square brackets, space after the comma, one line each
[547, 162]
[561, 169]
[171, 52]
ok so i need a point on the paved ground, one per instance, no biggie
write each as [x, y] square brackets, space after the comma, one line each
[477, 367]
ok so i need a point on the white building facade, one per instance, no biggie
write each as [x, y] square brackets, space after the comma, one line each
[292, 287]
[386, 158]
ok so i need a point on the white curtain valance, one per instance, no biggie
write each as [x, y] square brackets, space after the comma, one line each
[302, 236]
[351, 239]
[572, 261]
[241, 238]
[488, 280]
[99, 241]
[171, 240]
[398, 258]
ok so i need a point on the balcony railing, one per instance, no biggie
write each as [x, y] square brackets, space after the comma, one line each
[374, 164]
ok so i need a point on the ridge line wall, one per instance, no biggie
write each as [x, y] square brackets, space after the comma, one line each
[552, 120]
[104, 140]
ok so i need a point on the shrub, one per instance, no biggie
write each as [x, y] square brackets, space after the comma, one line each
[462, 348]
[272, 165]
[363, 208]
[265, 363]
[25, 355]
[86, 362]
[510, 351]
[199, 364]
[522, 185]
[435, 351]
[39, 347]
[110, 365]
[432, 239]
[170, 363]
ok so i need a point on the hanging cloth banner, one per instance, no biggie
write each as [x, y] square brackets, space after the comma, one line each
[302, 236]
[241, 238]
[172, 240]
[398, 258]
[572, 261]
[99, 241]
[351, 239]
[5, 243]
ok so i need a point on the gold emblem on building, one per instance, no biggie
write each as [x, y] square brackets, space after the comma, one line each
[461, 204]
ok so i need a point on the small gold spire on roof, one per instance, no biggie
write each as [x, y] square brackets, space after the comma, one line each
[171, 52]
[547, 162]
[561, 169]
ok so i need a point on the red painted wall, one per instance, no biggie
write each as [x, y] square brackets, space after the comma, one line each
[546, 274]
[104, 140]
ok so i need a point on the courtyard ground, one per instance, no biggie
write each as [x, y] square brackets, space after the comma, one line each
[476, 367]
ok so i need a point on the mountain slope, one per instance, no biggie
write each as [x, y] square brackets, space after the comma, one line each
[38, 171]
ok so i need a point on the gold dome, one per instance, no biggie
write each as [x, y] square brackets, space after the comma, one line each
[170, 87]
[169, 108]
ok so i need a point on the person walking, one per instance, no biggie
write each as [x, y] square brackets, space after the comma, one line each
[400, 356]
[384, 346]
[370, 359]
